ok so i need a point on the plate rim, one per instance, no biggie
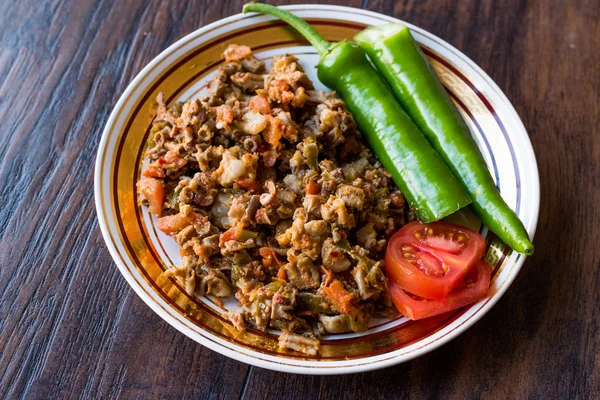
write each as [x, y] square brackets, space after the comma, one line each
[341, 369]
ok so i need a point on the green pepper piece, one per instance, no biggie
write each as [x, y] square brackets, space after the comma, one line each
[274, 286]
[156, 127]
[314, 302]
[344, 244]
[427, 183]
[173, 199]
[237, 272]
[246, 234]
[327, 175]
[241, 258]
[358, 320]
[401, 61]
[311, 153]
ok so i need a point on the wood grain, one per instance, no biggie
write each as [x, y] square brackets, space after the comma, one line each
[71, 327]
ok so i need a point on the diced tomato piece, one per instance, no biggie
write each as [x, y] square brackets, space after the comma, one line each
[339, 297]
[236, 52]
[269, 256]
[172, 157]
[249, 184]
[175, 223]
[225, 114]
[154, 191]
[172, 223]
[281, 275]
[231, 234]
[473, 289]
[313, 187]
[154, 172]
[260, 104]
[274, 131]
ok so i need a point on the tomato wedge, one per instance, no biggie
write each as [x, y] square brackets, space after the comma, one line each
[429, 260]
[473, 289]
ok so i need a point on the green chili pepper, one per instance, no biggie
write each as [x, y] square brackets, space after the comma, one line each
[401, 61]
[427, 183]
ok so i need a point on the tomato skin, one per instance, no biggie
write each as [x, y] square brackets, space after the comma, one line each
[472, 290]
[429, 260]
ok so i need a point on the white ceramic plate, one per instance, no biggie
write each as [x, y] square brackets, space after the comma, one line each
[180, 72]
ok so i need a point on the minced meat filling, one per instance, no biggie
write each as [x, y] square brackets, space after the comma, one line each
[273, 197]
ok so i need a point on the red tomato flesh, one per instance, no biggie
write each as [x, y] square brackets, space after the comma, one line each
[471, 290]
[154, 191]
[429, 260]
[455, 242]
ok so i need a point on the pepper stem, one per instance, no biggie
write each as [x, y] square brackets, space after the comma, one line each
[299, 24]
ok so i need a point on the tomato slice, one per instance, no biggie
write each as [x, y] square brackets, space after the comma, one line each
[457, 243]
[473, 289]
[429, 260]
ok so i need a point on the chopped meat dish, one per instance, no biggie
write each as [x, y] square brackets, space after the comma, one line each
[273, 197]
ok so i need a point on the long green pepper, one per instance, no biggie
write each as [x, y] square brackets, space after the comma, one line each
[400, 60]
[426, 182]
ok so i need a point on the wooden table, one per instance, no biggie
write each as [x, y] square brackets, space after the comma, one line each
[71, 326]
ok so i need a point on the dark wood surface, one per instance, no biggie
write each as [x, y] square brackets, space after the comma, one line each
[70, 327]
